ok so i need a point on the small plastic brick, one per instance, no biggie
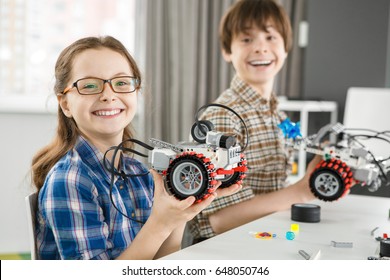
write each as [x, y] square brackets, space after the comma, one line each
[373, 231]
[378, 238]
[377, 258]
[264, 235]
[294, 228]
[341, 244]
[305, 255]
[290, 235]
[290, 129]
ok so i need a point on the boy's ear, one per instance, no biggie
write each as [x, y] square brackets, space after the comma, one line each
[226, 56]
[63, 102]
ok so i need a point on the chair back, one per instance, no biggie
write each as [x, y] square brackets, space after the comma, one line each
[32, 208]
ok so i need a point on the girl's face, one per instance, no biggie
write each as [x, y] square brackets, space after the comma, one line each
[101, 117]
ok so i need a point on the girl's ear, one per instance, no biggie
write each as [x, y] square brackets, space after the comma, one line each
[63, 102]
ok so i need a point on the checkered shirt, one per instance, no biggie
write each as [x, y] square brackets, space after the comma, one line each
[76, 219]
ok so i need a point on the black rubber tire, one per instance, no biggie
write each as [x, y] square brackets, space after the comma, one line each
[195, 167]
[319, 184]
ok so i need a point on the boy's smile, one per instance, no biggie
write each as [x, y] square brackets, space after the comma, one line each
[260, 62]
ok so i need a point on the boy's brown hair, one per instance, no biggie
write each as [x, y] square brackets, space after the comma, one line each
[247, 13]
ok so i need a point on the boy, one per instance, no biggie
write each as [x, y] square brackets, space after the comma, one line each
[255, 37]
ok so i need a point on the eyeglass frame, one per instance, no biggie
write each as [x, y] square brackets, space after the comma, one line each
[74, 85]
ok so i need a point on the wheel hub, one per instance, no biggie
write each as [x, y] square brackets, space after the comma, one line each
[327, 184]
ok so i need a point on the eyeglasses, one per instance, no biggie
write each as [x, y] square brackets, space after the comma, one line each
[90, 86]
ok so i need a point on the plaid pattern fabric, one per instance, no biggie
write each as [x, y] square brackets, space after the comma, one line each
[76, 219]
[268, 161]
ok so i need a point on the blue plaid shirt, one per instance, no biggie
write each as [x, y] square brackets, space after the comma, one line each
[76, 219]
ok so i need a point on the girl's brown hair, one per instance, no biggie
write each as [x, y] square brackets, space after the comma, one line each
[67, 131]
[245, 13]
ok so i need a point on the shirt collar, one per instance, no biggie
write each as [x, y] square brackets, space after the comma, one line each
[252, 97]
[91, 156]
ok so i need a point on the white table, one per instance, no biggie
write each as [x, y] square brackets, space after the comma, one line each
[304, 108]
[351, 219]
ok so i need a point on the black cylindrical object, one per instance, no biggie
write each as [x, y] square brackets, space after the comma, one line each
[307, 213]
[227, 141]
[384, 248]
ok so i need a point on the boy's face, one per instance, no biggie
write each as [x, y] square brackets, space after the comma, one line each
[257, 55]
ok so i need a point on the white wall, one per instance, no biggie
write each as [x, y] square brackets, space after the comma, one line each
[21, 137]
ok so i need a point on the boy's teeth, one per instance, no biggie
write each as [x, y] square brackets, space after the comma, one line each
[107, 113]
[263, 62]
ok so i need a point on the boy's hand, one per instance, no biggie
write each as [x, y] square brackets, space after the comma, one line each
[312, 165]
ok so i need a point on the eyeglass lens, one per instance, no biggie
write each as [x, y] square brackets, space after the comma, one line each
[95, 85]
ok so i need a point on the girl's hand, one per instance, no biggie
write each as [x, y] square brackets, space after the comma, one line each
[172, 212]
[229, 190]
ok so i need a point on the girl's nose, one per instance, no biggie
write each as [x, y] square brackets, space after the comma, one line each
[108, 94]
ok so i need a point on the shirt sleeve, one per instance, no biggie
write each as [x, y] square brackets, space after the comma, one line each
[70, 206]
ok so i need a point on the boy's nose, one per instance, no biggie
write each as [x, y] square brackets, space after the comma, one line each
[261, 48]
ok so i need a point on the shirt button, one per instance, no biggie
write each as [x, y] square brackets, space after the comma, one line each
[133, 215]
[121, 187]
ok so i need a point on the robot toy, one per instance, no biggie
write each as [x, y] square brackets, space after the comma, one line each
[193, 168]
[343, 165]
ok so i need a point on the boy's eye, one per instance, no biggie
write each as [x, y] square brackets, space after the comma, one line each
[274, 36]
[246, 40]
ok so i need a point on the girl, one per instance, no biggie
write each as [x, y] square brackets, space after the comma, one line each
[97, 83]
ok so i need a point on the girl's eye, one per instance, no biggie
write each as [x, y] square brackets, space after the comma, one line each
[87, 86]
[121, 83]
